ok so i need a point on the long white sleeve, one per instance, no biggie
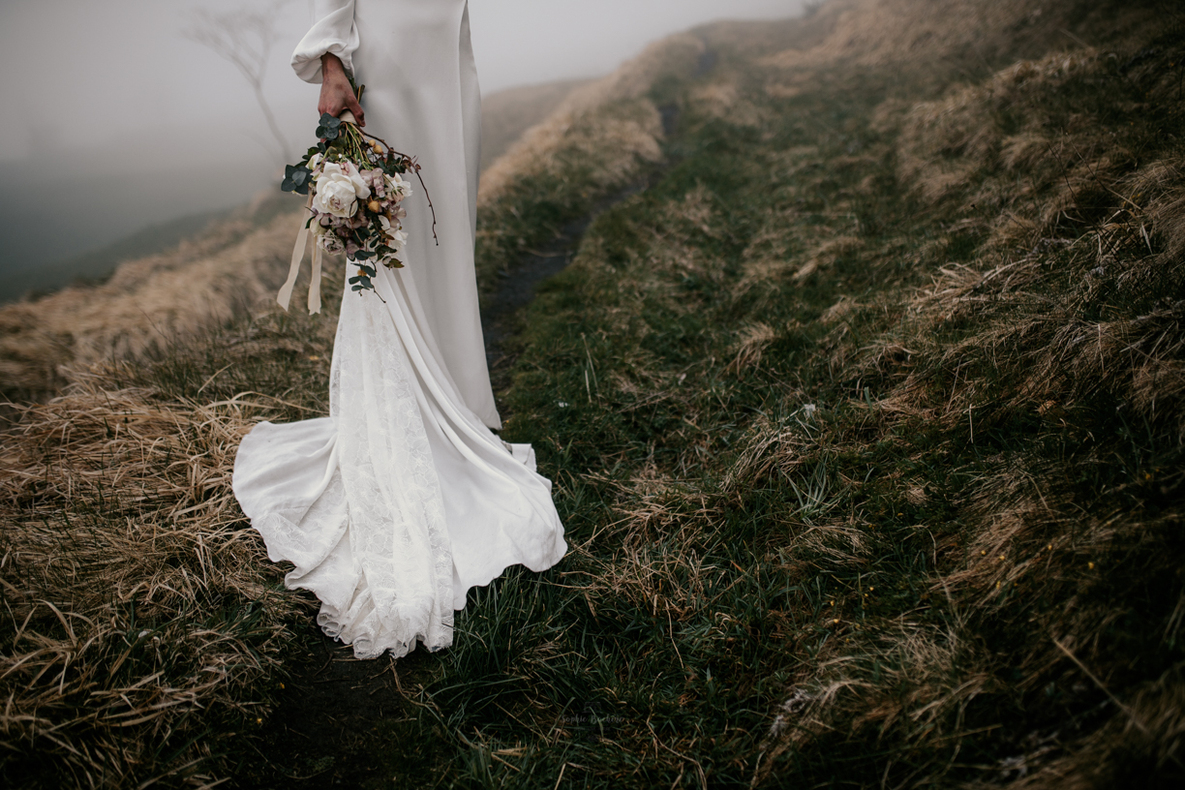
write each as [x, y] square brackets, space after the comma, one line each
[334, 32]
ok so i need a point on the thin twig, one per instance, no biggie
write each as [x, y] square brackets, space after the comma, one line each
[1130, 713]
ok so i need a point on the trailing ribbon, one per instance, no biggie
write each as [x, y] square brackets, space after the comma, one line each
[302, 238]
[315, 285]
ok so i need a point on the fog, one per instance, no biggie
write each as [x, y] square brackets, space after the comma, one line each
[113, 119]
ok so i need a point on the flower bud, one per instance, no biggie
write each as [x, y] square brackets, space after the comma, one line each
[374, 206]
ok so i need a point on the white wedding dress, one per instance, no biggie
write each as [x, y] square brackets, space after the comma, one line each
[403, 498]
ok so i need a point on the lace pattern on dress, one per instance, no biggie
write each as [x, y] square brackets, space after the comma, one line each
[397, 534]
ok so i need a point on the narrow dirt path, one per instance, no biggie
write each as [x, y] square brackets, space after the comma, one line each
[501, 314]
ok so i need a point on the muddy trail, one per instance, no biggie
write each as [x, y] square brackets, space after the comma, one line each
[502, 310]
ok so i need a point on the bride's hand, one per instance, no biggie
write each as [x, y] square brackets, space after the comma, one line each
[336, 94]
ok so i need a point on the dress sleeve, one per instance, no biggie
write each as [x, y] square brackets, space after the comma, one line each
[333, 32]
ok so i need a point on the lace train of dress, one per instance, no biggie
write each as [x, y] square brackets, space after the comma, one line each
[401, 500]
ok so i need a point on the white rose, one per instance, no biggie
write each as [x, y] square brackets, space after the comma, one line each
[396, 238]
[338, 189]
[397, 186]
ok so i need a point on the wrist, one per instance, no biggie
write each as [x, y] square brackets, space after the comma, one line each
[331, 64]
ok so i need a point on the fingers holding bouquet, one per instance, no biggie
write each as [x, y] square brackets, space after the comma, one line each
[337, 92]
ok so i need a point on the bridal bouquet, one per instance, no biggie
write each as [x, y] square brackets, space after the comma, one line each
[355, 183]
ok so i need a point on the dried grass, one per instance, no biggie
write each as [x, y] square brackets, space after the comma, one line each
[139, 608]
[145, 305]
[609, 124]
[953, 34]
[725, 100]
[946, 144]
[1004, 437]
[506, 114]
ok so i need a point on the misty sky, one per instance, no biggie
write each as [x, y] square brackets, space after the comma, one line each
[91, 70]
[96, 87]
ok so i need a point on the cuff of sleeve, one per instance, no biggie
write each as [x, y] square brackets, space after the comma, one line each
[307, 64]
[335, 34]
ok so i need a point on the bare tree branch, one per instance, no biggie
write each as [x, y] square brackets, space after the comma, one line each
[245, 38]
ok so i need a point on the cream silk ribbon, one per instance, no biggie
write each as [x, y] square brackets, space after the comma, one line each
[302, 238]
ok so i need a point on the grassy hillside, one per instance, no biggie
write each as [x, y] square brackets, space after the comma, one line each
[147, 303]
[506, 114]
[96, 265]
[863, 403]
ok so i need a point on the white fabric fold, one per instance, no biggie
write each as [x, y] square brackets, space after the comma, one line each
[334, 32]
[422, 96]
[402, 500]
